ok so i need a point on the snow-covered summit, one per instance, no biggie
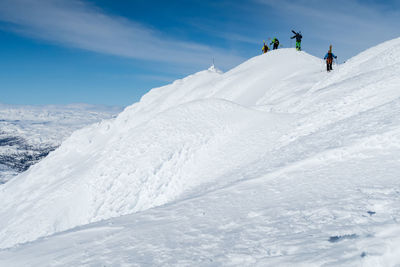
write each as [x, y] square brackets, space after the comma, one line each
[211, 131]
[213, 68]
[178, 137]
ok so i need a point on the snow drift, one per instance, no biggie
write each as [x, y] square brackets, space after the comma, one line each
[201, 133]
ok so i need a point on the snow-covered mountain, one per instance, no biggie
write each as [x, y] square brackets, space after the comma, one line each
[29, 133]
[275, 162]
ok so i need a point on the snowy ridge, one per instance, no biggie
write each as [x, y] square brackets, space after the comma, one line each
[139, 142]
[288, 164]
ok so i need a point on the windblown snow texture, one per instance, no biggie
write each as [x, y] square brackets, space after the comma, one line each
[275, 162]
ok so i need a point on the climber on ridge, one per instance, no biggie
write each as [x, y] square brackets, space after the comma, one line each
[329, 59]
[298, 37]
[265, 48]
[275, 42]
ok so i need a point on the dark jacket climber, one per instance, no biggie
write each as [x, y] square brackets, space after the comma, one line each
[275, 42]
[298, 37]
[329, 59]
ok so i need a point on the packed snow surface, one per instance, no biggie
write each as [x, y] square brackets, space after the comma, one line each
[273, 163]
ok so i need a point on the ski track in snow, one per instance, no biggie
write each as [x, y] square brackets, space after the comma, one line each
[265, 165]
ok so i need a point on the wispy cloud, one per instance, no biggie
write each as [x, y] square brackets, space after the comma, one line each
[75, 23]
[235, 35]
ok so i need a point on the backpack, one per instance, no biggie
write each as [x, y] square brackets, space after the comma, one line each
[329, 59]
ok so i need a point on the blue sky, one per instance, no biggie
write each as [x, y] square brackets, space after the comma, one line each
[112, 52]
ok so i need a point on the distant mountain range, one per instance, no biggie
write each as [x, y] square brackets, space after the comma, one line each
[29, 133]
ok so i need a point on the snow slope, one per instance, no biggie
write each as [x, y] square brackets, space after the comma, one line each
[274, 162]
